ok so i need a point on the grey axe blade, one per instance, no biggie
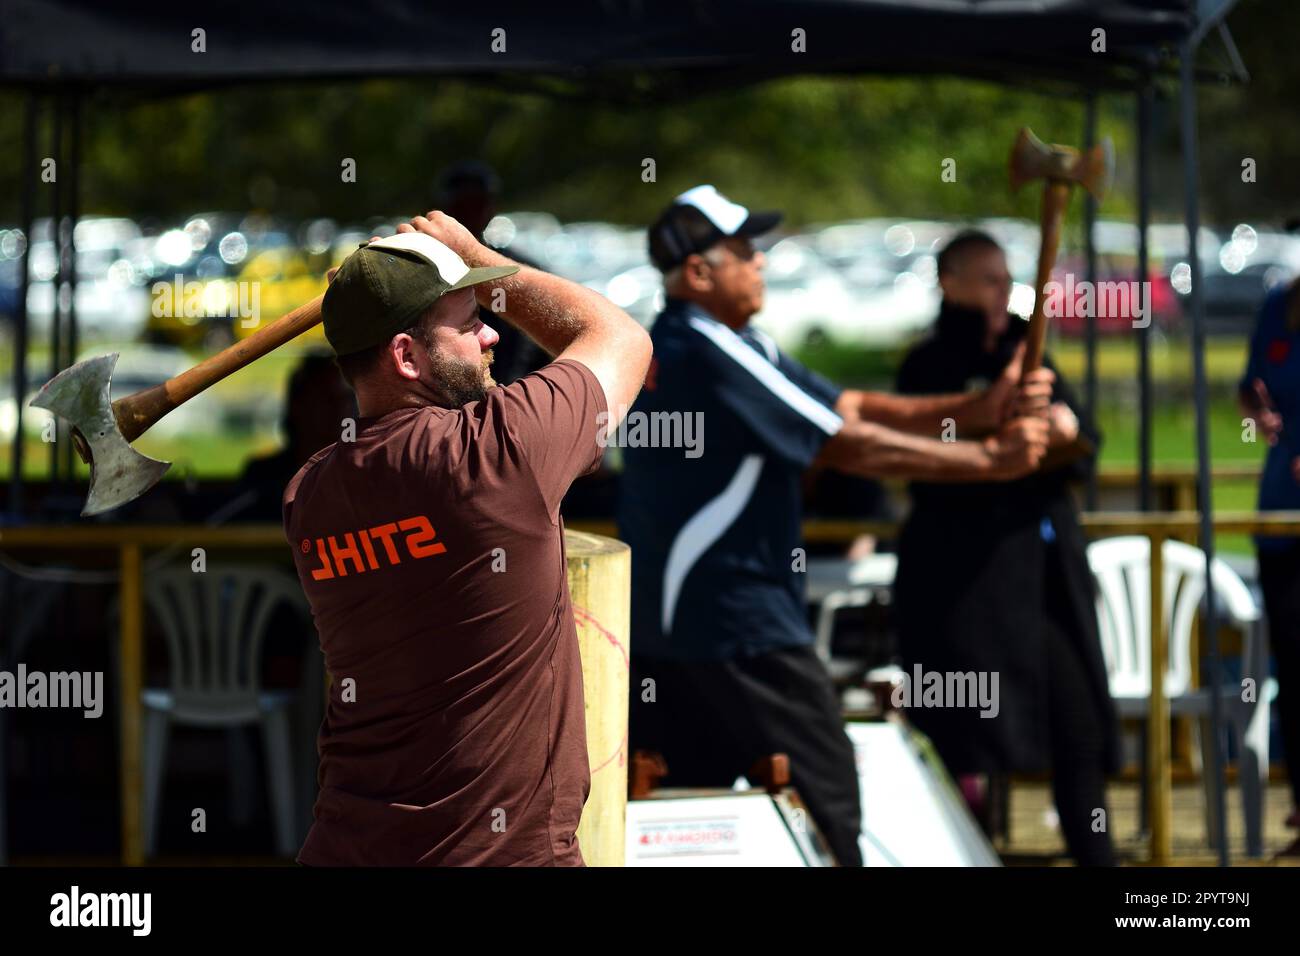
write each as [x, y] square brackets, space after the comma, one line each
[80, 395]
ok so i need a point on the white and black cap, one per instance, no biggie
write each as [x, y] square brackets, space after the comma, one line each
[697, 220]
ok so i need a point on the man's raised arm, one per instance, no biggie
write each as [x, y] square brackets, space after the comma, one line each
[568, 320]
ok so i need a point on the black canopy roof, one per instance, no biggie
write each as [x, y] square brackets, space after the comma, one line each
[597, 46]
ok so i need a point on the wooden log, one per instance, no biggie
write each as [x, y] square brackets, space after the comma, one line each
[600, 581]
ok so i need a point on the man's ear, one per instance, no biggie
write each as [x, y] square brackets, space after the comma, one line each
[401, 353]
[695, 272]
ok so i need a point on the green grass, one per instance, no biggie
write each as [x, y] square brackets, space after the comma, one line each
[1173, 434]
[1174, 444]
[1171, 361]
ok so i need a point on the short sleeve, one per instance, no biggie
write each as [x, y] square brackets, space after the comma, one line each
[818, 386]
[787, 409]
[554, 416]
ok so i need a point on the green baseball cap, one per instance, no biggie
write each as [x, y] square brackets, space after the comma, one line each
[386, 285]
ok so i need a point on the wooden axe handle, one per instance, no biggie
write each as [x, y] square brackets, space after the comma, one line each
[137, 413]
[1056, 196]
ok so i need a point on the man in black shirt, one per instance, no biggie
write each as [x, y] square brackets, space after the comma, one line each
[993, 578]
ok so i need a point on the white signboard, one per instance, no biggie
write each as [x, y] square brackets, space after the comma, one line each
[911, 816]
[742, 829]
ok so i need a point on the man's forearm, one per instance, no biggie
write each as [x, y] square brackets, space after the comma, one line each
[870, 450]
[551, 311]
[918, 414]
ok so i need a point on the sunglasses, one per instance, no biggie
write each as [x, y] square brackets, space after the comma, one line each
[741, 249]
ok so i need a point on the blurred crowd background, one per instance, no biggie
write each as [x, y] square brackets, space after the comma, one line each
[846, 295]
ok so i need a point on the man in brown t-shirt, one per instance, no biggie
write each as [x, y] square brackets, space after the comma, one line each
[431, 549]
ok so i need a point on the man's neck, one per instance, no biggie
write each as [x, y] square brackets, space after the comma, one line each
[379, 404]
[733, 322]
[988, 340]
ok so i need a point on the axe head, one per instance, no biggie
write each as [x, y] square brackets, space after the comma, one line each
[1031, 158]
[118, 473]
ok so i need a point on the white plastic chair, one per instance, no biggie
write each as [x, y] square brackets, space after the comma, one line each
[214, 623]
[1121, 568]
[870, 579]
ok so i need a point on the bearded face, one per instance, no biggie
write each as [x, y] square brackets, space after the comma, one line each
[457, 346]
[458, 381]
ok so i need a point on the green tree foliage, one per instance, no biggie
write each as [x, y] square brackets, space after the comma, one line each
[820, 148]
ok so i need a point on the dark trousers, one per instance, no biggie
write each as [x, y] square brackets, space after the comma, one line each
[1076, 734]
[712, 719]
[1078, 750]
[1279, 578]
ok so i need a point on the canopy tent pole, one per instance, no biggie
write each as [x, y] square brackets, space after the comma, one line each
[20, 312]
[1090, 256]
[73, 105]
[1144, 94]
[1204, 496]
[56, 306]
[1144, 100]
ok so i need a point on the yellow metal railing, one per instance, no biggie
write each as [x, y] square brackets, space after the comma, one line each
[131, 542]
[1173, 487]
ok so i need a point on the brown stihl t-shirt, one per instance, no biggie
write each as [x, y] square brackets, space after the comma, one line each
[432, 552]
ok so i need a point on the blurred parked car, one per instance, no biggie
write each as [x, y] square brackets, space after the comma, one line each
[111, 301]
[1249, 264]
[1115, 245]
[195, 273]
[594, 251]
[806, 303]
[275, 282]
[638, 291]
[526, 232]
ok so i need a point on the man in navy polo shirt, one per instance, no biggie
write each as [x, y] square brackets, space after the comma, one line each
[719, 623]
[1270, 394]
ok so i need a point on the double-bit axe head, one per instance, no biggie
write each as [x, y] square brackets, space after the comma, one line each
[1031, 158]
[80, 395]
